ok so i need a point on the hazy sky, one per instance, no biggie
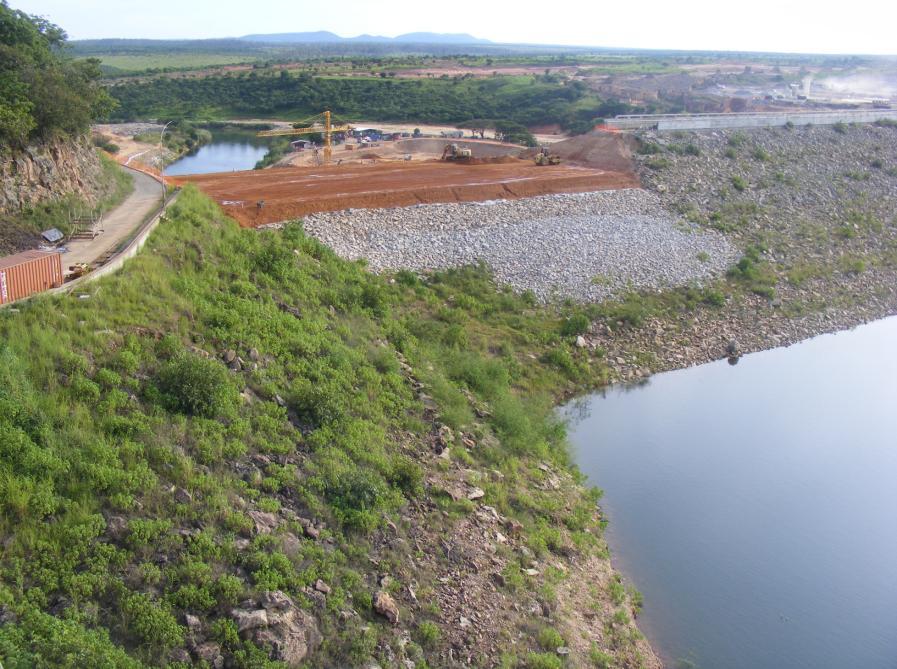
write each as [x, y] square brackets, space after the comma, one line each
[861, 26]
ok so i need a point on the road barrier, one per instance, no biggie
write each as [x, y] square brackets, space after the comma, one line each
[747, 119]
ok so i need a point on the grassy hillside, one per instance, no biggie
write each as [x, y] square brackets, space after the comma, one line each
[147, 489]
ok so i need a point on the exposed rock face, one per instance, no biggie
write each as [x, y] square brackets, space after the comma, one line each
[49, 171]
[276, 623]
[386, 606]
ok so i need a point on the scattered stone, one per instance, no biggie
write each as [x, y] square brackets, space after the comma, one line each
[210, 653]
[254, 355]
[263, 521]
[580, 342]
[179, 655]
[181, 496]
[230, 356]
[732, 348]
[117, 527]
[476, 493]
[288, 632]
[322, 587]
[386, 606]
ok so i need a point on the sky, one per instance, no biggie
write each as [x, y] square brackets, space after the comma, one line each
[806, 26]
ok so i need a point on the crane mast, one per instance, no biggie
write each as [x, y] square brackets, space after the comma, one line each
[321, 123]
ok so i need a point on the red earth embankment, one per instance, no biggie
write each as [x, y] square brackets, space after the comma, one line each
[295, 191]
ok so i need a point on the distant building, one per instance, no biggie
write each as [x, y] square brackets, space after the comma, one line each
[302, 144]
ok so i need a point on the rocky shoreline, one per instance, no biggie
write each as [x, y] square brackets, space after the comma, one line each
[663, 344]
[820, 204]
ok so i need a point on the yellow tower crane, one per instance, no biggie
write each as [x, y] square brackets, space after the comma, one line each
[320, 123]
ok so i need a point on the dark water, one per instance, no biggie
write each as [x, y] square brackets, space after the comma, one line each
[229, 150]
[755, 506]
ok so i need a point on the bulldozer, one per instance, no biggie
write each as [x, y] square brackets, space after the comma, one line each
[455, 152]
[544, 158]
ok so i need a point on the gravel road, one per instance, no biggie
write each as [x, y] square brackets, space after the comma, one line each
[587, 246]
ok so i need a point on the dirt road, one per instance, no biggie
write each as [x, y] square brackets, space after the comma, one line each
[118, 224]
[292, 192]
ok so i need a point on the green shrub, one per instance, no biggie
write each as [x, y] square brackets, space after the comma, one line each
[737, 139]
[197, 386]
[761, 154]
[755, 274]
[41, 640]
[577, 324]
[550, 639]
[739, 183]
[150, 622]
[543, 661]
[840, 127]
[428, 634]
[600, 659]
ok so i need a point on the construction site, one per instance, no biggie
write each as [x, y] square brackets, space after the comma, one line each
[411, 171]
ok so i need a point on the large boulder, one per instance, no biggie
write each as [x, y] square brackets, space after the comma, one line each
[386, 606]
[276, 623]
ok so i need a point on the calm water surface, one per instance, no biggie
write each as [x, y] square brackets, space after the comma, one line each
[755, 506]
[229, 150]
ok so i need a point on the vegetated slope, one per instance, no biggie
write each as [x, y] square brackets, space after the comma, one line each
[524, 100]
[243, 450]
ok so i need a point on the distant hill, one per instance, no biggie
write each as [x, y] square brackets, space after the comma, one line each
[324, 36]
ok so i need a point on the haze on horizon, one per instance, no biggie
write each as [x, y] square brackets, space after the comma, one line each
[800, 26]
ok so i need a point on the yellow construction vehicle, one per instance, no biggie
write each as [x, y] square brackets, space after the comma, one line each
[544, 158]
[455, 152]
[320, 123]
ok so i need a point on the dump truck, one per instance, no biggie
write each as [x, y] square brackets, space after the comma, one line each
[545, 158]
[455, 152]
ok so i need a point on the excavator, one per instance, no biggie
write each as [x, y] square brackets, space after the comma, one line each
[321, 123]
[456, 153]
[545, 158]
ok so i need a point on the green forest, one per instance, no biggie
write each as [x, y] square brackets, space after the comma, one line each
[43, 92]
[525, 100]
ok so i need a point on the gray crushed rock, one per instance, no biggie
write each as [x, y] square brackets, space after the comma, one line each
[586, 246]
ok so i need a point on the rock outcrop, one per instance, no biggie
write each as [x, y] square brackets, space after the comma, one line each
[276, 623]
[49, 171]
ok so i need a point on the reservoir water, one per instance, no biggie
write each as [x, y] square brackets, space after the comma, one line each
[755, 506]
[229, 150]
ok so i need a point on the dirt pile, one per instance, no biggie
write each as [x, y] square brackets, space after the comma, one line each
[294, 192]
[601, 150]
[481, 148]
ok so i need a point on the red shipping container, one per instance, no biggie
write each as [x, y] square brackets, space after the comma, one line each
[28, 273]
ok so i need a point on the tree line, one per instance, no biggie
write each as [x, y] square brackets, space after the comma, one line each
[43, 92]
[527, 101]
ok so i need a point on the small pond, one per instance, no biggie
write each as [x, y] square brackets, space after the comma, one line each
[229, 150]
